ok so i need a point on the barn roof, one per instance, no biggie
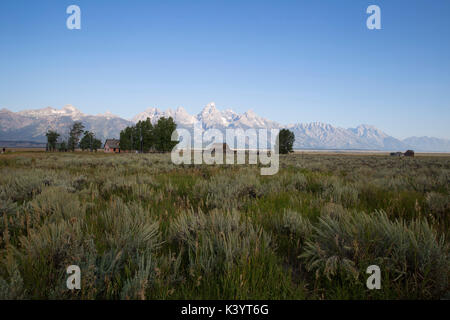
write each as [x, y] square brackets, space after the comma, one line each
[112, 143]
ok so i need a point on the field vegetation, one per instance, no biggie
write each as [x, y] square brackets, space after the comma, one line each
[141, 227]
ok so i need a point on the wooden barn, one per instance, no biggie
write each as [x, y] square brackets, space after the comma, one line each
[112, 146]
[219, 147]
[409, 153]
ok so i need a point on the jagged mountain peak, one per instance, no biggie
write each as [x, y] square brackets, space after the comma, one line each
[67, 110]
[230, 115]
[210, 107]
[181, 112]
[180, 115]
[365, 130]
[31, 125]
[250, 119]
[250, 113]
[153, 110]
[366, 126]
[211, 117]
[70, 108]
[316, 125]
[108, 114]
[230, 111]
[151, 113]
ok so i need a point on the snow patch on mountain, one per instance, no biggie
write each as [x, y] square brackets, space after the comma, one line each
[32, 125]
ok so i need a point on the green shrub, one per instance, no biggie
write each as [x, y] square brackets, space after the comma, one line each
[12, 288]
[438, 204]
[223, 252]
[128, 228]
[215, 242]
[136, 286]
[295, 225]
[141, 227]
[410, 254]
[45, 254]
[54, 204]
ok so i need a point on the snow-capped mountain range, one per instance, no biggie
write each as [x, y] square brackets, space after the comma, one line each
[210, 116]
[31, 125]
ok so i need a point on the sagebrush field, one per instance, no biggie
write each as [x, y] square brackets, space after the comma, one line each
[140, 227]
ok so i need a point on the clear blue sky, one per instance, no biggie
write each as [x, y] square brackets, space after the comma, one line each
[290, 61]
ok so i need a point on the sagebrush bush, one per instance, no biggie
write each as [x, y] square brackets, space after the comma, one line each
[438, 204]
[227, 192]
[12, 288]
[412, 254]
[333, 209]
[54, 204]
[136, 286]
[11, 221]
[295, 225]
[223, 253]
[45, 254]
[215, 242]
[141, 227]
[19, 187]
[128, 227]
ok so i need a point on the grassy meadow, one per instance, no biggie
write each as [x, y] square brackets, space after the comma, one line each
[141, 227]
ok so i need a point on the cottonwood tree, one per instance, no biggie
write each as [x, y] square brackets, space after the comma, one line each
[286, 140]
[145, 137]
[127, 139]
[90, 142]
[139, 137]
[74, 135]
[63, 146]
[52, 138]
[163, 134]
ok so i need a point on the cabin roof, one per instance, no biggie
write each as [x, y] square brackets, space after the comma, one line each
[112, 143]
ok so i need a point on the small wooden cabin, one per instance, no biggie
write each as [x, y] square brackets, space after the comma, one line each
[409, 153]
[112, 146]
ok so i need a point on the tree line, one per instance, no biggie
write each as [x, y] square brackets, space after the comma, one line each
[145, 137]
[78, 137]
[142, 137]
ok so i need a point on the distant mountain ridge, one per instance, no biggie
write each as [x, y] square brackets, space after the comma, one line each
[31, 125]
